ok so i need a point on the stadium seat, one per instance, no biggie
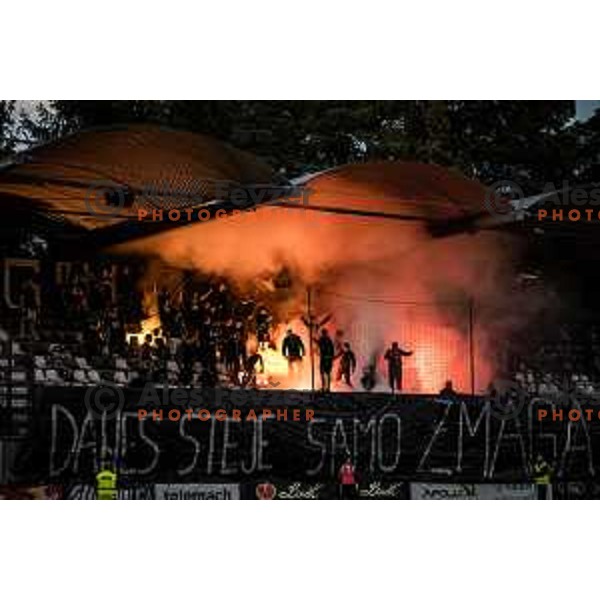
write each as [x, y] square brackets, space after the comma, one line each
[52, 376]
[120, 378]
[79, 377]
[121, 364]
[19, 376]
[82, 363]
[40, 362]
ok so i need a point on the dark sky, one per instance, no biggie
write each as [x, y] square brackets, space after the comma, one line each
[586, 108]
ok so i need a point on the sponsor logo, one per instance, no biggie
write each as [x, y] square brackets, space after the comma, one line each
[507, 491]
[576, 490]
[266, 491]
[296, 491]
[378, 490]
[198, 491]
[88, 492]
[451, 491]
[473, 491]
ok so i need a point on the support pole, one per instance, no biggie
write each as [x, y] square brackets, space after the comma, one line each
[472, 344]
[310, 340]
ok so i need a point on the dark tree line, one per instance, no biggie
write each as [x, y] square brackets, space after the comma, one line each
[530, 142]
[7, 116]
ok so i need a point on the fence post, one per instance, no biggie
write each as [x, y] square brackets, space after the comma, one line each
[472, 344]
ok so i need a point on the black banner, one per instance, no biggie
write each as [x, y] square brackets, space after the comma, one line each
[389, 439]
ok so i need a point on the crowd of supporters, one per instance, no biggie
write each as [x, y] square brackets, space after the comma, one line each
[83, 326]
[87, 327]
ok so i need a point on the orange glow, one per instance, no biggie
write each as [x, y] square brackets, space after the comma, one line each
[149, 325]
[381, 280]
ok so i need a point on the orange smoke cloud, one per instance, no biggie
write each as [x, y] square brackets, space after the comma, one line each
[382, 280]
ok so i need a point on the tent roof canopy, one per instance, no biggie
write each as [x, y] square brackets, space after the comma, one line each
[68, 183]
[69, 178]
[414, 191]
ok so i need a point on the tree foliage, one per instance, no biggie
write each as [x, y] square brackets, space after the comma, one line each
[7, 108]
[530, 142]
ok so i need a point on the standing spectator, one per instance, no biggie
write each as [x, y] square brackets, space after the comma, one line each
[263, 326]
[347, 478]
[223, 302]
[79, 303]
[146, 352]
[195, 313]
[187, 352]
[326, 354]
[293, 349]
[448, 392]
[347, 364]
[542, 473]
[254, 364]
[233, 352]
[240, 335]
[116, 330]
[30, 308]
[394, 357]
